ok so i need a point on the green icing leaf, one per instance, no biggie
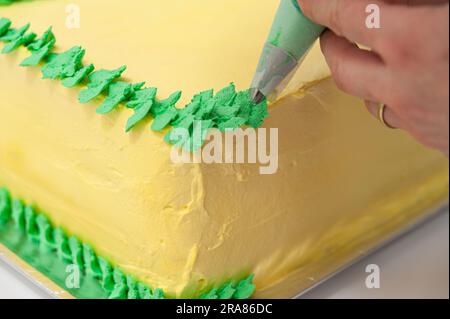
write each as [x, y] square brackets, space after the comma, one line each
[204, 112]
[46, 38]
[245, 104]
[63, 65]
[204, 96]
[198, 136]
[118, 92]
[226, 95]
[5, 205]
[142, 103]
[38, 55]
[188, 111]
[99, 81]
[210, 295]
[226, 291]
[180, 134]
[224, 113]
[78, 77]
[18, 214]
[163, 120]
[162, 106]
[13, 34]
[4, 26]
[258, 114]
[19, 41]
[231, 124]
[245, 289]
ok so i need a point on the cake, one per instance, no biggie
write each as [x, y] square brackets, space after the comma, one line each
[86, 175]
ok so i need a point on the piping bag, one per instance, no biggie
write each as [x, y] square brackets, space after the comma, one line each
[290, 39]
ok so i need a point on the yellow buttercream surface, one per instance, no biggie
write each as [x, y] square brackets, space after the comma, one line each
[184, 227]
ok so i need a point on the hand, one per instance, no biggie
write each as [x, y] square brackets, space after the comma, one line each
[406, 68]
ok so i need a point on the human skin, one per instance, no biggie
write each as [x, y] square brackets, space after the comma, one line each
[406, 68]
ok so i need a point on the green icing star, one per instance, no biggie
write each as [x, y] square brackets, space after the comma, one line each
[4, 26]
[18, 214]
[62, 244]
[119, 292]
[45, 231]
[158, 294]
[37, 56]
[30, 223]
[5, 206]
[77, 252]
[13, 34]
[117, 93]
[107, 279]
[19, 41]
[141, 103]
[90, 260]
[99, 81]
[78, 76]
[63, 65]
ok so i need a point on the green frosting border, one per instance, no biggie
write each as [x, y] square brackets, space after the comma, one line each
[29, 233]
[226, 110]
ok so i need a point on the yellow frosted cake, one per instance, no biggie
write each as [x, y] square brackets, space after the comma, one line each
[86, 172]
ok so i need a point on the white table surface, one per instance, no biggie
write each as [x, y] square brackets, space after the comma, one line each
[415, 266]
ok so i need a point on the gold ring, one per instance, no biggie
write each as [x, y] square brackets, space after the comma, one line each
[381, 116]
